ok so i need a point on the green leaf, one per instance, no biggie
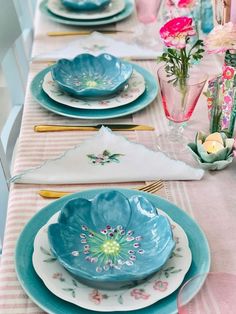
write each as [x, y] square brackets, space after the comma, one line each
[176, 271]
[120, 299]
[169, 268]
[92, 156]
[227, 84]
[50, 260]
[106, 153]
[116, 155]
[74, 282]
[44, 251]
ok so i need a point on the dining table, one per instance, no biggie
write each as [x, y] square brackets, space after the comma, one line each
[210, 202]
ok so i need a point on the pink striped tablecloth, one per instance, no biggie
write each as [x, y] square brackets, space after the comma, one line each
[211, 201]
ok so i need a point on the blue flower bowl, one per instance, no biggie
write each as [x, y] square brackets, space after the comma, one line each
[92, 77]
[111, 242]
[85, 5]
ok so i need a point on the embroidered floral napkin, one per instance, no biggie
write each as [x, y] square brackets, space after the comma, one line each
[107, 157]
[97, 43]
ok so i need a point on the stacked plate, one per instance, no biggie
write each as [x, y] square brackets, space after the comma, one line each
[53, 280]
[87, 12]
[92, 87]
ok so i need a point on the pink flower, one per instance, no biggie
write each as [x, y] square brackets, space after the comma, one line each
[95, 296]
[228, 73]
[175, 32]
[139, 294]
[186, 3]
[227, 99]
[170, 3]
[160, 285]
[221, 38]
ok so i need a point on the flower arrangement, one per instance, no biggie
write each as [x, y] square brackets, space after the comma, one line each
[221, 90]
[180, 55]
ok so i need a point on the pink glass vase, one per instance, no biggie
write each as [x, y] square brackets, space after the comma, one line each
[179, 100]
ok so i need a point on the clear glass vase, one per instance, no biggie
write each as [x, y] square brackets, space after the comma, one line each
[179, 101]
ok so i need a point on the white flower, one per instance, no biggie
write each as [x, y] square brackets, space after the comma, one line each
[221, 38]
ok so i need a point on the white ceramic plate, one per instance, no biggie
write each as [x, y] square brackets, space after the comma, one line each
[136, 87]
[66, 287]
[115, 7]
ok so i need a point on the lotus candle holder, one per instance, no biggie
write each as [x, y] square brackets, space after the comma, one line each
[212, 152]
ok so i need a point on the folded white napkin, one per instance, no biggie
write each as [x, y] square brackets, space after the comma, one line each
[97, 43]
[107, 157]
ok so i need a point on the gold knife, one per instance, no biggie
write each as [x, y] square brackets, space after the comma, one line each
[53, 194]
[104, 31]
[90, 127]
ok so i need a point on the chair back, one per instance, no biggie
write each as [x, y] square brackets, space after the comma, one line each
[14, 66]
[25, 11]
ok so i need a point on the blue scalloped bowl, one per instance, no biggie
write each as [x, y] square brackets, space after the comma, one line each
[88, 76]
[85, 5]
[111, 241]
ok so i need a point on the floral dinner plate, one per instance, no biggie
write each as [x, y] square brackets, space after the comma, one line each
[56, 7]
[45, 299]
[129, 7]
[65, 286]
[135, 88]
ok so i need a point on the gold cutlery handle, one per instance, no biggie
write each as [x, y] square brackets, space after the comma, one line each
[58, 128]
[53, 194]
[150, 188]
[105, 31]
[68, 33]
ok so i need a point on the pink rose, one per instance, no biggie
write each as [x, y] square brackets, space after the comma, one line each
[95, 296]
[139, 294]
[160, 285]
[186, 3]
[175, 32]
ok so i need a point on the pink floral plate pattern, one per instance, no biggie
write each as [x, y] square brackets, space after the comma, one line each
[134, 89]
[66, 287]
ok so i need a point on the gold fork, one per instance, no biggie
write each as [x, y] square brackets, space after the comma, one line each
[150, 188]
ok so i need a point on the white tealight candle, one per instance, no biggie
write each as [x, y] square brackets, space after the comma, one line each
[212, 147]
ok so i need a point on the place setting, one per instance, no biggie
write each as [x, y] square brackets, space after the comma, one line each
[87, 13]
[94, 87]
[79, 255]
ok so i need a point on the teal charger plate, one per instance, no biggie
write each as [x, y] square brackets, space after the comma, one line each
[129, 7]
[40, 295]
[144, 100]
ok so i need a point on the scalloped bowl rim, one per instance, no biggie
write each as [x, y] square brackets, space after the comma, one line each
[131, 276]
[128, 69]
[88, 5]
